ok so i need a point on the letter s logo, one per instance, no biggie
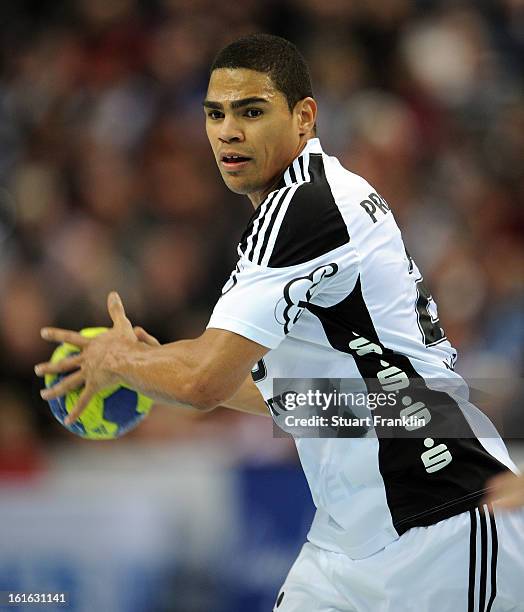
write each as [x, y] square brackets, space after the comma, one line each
[435, 458]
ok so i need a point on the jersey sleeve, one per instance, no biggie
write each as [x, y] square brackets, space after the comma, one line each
[300, 262]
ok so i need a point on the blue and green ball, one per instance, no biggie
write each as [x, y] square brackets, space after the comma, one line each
[109, 414]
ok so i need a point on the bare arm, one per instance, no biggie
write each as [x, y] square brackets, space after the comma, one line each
[203, 373]
[247, 399]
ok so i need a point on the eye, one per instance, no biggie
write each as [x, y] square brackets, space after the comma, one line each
[214, 114]
[253, 113]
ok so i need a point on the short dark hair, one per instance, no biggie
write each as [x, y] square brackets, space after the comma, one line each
[273, 55]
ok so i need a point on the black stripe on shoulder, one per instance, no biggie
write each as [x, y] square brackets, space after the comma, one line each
[313, 224]
[249, 229]
[273, 213]
[301, 164]
[259, 222]
[253, 226]
[292, 174]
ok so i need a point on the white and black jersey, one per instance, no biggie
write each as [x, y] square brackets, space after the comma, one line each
[324, 281]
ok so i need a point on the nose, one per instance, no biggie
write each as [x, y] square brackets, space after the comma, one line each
[230, 131]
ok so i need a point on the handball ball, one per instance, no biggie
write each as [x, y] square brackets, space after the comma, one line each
[109, 414]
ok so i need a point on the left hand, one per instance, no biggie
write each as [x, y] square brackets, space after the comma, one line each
[507, 490]
[91, 364]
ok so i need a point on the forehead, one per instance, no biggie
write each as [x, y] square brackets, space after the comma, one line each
[229, 84]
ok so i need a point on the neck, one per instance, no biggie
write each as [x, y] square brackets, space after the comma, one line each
[258, 197]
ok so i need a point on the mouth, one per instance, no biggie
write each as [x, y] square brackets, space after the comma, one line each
[234, 162]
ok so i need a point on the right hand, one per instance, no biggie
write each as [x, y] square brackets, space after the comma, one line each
[93, 368]
[143, 336]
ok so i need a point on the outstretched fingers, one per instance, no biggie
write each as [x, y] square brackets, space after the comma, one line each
[143, 336]
[70, 383]
[64, 365]
[116, 311]
[80, 406]
[55, 334]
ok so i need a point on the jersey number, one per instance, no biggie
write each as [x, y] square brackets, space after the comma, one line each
[427, 315]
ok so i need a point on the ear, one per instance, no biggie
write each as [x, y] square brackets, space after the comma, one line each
[306, 110]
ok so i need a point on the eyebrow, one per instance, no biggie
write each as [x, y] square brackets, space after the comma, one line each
[236, 103]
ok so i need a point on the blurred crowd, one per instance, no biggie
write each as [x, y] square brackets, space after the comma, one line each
[107, 180]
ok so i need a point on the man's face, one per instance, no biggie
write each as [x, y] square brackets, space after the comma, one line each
[252, 132]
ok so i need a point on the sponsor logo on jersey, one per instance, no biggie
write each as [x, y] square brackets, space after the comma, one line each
[437, 457]
[297, 294]
[392, 378]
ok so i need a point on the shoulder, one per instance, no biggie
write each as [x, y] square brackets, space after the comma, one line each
[358, 200]
[298, 222]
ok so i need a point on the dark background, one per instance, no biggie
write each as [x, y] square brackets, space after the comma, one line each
[107, 182]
